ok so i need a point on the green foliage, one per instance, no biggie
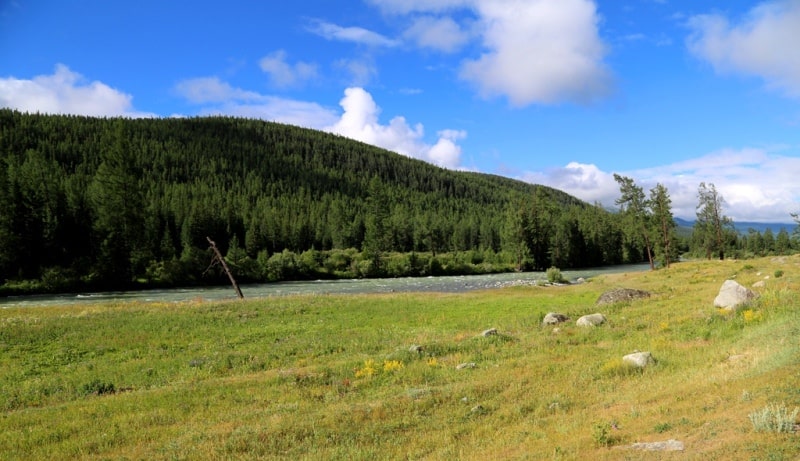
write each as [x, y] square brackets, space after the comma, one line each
[97, 203]
[98, 387]
[554, 275]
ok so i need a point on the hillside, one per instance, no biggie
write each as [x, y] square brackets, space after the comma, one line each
[112, 201]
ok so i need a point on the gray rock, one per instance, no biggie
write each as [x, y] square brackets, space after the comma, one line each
[591, 320]
[554, 318]
[464, 366]
[669, 445]
[759, 284]
[621, 295]
[639, 359]
[415, 348]
[489, 332]
[732, 295]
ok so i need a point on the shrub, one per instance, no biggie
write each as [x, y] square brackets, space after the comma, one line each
[98, 387]
[778, 273]
[554, 275]
[774, 418]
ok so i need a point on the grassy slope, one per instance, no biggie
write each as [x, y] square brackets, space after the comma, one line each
[305, 377]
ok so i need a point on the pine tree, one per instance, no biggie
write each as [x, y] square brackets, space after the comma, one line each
[661, 207]
[634, 207]
[711, 224]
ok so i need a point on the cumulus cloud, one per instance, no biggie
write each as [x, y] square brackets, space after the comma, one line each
[441, 34]
[284, 74]
[66, 92]
[360, 121]
[585, 181]
[757, 184]
[358, 35]
[535, 51]
[540, 51]
[763, 44]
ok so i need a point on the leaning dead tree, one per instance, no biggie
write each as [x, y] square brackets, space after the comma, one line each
[218, 259]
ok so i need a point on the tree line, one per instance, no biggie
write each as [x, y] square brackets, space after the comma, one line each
[109, 203]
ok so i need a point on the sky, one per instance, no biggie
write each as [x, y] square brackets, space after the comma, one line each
[564, 93]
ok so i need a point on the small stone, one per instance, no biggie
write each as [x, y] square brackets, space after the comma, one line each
[464, 366]
[489, 332]
[669, 445]
[415, 348]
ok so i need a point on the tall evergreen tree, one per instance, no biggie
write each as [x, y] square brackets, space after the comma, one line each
[711, 224]
[661, 207]
[377, 235]
[634, 207]
[118, 204]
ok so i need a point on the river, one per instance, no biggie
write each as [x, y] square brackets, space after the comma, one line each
[451, 284]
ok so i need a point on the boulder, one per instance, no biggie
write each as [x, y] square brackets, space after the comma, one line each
[639, 359]
[759, 284]
[620, 295]
[554, 318]
[732, 295]
[489, 332]
[591, 320]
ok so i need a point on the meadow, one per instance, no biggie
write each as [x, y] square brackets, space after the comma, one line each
[409, 375]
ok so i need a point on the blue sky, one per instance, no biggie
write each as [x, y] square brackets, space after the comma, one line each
[557, 92]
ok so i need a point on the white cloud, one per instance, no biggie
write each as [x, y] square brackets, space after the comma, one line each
[358, 35]
[536, 51]
[219, 97]
[757, 184]
[203, 90]
[585, 181]
[360, 121]
[441, 34]
[764, 44]
[361, 71]
[540, 51]
[66, 92]
[410, 6]
[283, 74]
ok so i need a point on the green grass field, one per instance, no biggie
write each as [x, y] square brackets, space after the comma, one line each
[333, 377]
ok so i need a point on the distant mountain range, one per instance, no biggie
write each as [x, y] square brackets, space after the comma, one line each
[745, 226]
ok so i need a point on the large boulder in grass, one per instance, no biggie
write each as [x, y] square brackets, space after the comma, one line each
[639, 359]
[591, 320]
[620, 295]
[732, 295]
[554, 318]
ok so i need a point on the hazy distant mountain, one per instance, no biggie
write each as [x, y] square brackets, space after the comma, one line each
[745, 226]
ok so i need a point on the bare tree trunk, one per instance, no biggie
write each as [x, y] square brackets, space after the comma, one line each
[218, 258]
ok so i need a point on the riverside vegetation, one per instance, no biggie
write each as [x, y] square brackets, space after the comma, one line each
[383, 376]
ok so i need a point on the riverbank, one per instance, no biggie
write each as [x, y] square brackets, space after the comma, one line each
[336, 377]
[440, 284]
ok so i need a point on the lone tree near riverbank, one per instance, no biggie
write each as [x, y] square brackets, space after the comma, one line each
[712, 225]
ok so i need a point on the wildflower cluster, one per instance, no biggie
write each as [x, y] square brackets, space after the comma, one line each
[371, 369]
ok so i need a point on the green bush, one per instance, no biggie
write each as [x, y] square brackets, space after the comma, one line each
[554, 275]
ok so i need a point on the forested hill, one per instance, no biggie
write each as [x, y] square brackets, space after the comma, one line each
[108, 201]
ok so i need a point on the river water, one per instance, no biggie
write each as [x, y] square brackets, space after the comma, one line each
[453, 284]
